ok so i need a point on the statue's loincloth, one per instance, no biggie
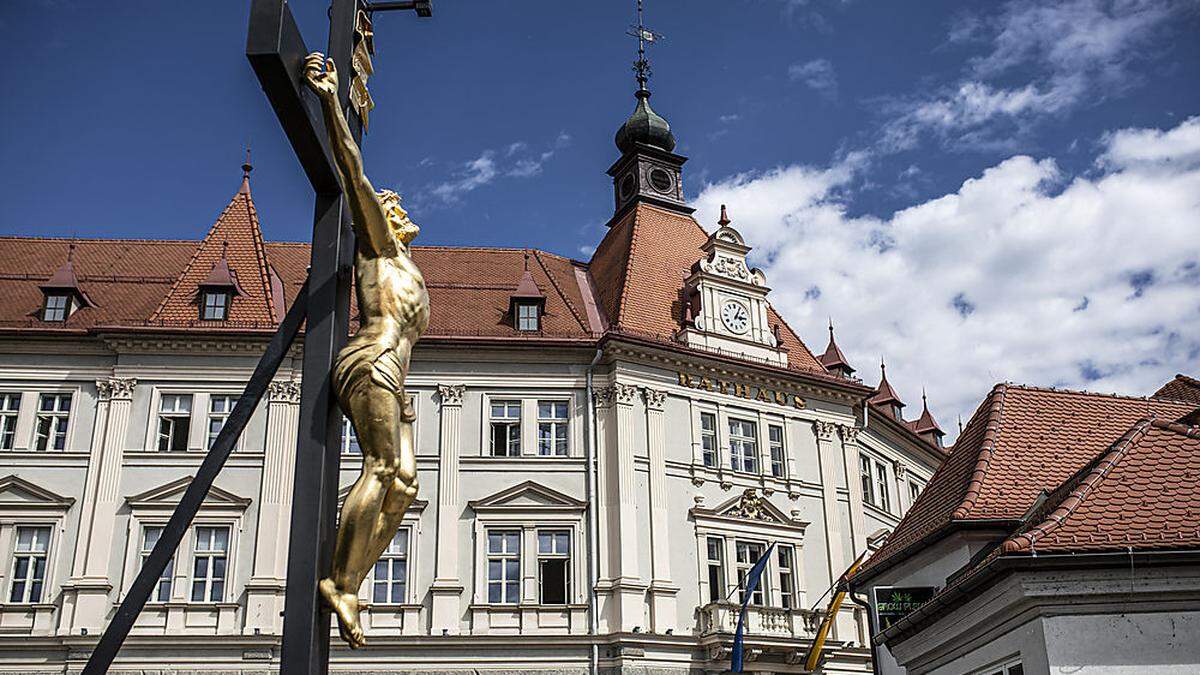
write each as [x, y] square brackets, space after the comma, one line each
[369, 363]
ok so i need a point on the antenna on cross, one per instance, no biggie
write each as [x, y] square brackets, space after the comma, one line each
[641, 67]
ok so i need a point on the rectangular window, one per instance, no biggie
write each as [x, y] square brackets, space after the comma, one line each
[349, 438]
[868, 483]
[174, 421]
[552, 428]
[162, 591]
[743, 445]
[1010, 668]
[209, 558]
[527, 317]
[29, 564]
[748, 554]
[506, 428]
[390, 585]
[708, 439]
[504, 567]
[554, 566]
[54, 411]
[56, 308]
[216, 306]
[787, 584]
[10, 406]
[716, 569]
[881, 485]
[775, 441]
[914, 490]
[219, 407]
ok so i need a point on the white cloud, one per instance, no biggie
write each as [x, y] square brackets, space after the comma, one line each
[519, 163]
[1021, 274]
[1040, 59]
[473, 174]
[818, 75]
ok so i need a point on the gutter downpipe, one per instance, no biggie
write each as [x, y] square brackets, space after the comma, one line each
[870, 629]
[593, 528]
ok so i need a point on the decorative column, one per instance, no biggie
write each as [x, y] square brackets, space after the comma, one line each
[826, 433]
[86, 594]
[662, 589]
[447, 588]
[858, 520]
[903, 499]
[264, 590]
[621, 590]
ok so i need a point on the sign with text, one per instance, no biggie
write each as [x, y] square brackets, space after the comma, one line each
[746, 391]
[893, 603]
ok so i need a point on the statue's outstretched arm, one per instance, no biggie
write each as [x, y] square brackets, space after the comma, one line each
[370, 222]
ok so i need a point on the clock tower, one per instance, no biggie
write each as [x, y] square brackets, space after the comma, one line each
[726, 300]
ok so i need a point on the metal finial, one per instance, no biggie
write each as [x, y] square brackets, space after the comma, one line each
[641, 67]
[724, 217]
[247, 167]
[526, 261]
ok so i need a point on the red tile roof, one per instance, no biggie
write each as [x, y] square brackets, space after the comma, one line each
[833, 356]
[1021, 441]
[925, 423]
[1182, 388]
[640, 266]
[1142, 493]
[885, 397]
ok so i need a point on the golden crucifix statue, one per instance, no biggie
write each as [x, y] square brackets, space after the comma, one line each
[368, 376]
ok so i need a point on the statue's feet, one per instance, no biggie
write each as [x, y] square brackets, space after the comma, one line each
[345, 605]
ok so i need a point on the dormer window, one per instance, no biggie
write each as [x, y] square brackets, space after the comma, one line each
[57, 308]
[528, 316]
[215, 306]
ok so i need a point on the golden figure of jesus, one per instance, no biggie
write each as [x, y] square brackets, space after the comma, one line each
[368, 376]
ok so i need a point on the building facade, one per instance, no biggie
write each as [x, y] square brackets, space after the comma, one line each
[605, 448]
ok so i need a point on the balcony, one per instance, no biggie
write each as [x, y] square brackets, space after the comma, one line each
[775, 622]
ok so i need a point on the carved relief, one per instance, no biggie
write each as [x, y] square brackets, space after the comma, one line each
[655, 399]
[120, 388]
[824, 430]
[284, 391]
[751, 507]
[850, 435]
[901, 471]
[624, 394]
[451, 394]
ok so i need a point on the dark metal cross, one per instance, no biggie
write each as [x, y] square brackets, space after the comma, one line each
[276, 51]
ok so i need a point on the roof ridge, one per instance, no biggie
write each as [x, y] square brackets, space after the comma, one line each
[260, 251]
[1081, 392]
[97, 240]
[994, 418]
[566, 300]
[1083, 483]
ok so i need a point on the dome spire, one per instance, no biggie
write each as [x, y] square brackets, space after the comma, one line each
[644, 125]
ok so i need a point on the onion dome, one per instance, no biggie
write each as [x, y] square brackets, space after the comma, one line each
[645, 126]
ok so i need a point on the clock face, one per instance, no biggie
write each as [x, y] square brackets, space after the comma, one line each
[735, 317]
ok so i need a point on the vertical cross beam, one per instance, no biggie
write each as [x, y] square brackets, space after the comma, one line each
[314, 504]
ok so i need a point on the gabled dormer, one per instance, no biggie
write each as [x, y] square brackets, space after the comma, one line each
[726, 300]
[885, 397]
[527, 304]
[62, 295]
[926, 427]
[834, 360]
[216, 292]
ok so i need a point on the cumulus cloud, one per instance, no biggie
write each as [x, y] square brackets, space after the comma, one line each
[473, 174]
[1039, 59]
[1022, 273]
[817, 75]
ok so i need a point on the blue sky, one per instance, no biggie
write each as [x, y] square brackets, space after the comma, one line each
[870, 150]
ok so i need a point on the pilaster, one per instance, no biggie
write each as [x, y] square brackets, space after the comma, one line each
[662, 588]
[858, 519]
[86, 594]
[265, 589]
[447, 588]
[826, 434]
[621, 588]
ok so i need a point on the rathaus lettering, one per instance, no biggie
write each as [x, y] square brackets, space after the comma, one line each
[740, 389]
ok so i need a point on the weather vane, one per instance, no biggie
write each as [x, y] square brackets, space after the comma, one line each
[644, 35]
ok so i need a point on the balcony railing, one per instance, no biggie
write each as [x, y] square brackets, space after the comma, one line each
[722, 617]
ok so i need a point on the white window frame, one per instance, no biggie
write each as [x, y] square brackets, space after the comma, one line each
[212, 415]
[1003, 668]
[205, 536]
[787, 586]
[504, 554]
[529, 317]
[31, 555]
[555, 554]
[10, 414]
[741, 568]
[168, 575]
[44, 509]
[781, 463]
[389, 558]
[720, 563]
[173, 417]
[64, 419]
[874, 476]
[508, 421]
[554, 424]
[712, 435]
[226, 299]
[61, 313]
[738, 460]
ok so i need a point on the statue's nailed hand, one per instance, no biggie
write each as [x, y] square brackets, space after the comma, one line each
[321, 75]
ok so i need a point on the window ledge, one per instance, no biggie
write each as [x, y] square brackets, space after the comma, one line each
[531, 606]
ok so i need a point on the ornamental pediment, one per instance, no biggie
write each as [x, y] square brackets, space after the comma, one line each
[16, 491]
[528, 495]
[169, 494]
[750, 507]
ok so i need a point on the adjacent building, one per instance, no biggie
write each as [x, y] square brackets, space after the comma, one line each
[605, 447]
[1062, 535]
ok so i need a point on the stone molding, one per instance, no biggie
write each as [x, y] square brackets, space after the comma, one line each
[617, 393]
[850, 434]
[451, 394]
[655, 398]
[825, 430]
[116, 388]
[283, 391]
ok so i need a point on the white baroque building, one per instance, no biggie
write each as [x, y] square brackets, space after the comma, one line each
[604, 449]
